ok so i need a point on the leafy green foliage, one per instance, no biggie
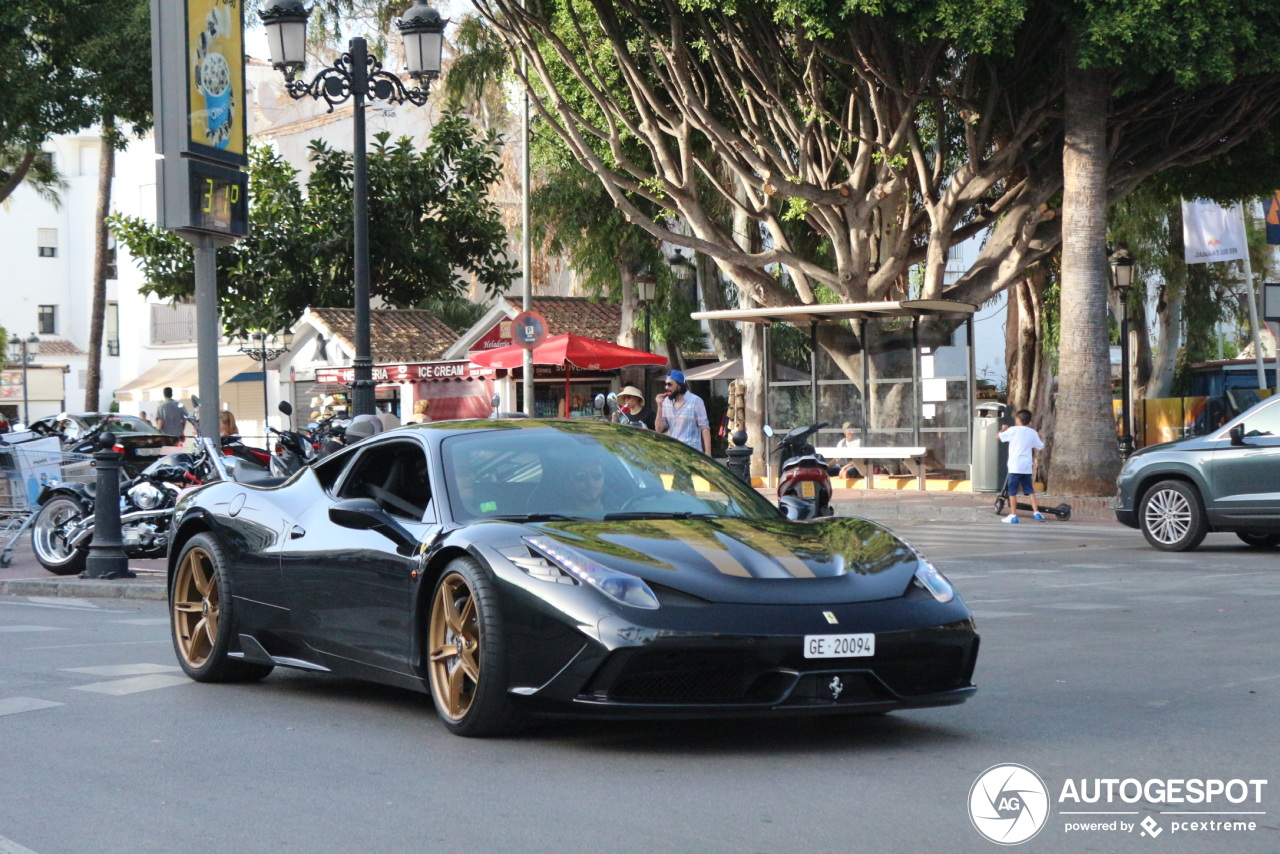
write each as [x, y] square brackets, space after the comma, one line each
[430, 222]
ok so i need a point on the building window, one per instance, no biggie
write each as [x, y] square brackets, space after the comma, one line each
[48, 320]
[47, 242]
[173, 324]
[111, 327]
[112, 272]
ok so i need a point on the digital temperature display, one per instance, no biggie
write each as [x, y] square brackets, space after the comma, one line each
[218, 199]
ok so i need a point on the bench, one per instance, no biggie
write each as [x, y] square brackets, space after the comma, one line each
[862, 455]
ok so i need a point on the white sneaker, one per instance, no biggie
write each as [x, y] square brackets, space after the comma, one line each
[1011, 519]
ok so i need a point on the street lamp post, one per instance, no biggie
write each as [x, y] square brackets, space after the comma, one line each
[357, 76]
[646, 285]
[1121, 262]
[263, 347]
[24, 350]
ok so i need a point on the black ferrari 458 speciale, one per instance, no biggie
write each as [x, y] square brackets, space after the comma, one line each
[523, 567]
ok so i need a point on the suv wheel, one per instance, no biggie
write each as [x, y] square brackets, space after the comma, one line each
[1171, 516]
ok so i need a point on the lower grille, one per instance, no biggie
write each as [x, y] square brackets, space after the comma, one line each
[696, 677]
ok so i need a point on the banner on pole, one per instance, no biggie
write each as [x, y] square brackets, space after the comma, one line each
[1212, 232]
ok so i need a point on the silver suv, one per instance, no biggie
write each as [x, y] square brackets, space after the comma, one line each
[1227, 480]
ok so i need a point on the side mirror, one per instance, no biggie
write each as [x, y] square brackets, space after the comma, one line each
[495, 401]
[364, 514]
[612, 401]
[599, 403]
[768, 431]
[286, 407]
[195, 400]
[1237, 435]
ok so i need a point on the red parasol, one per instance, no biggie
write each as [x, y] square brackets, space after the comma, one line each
[572, 351]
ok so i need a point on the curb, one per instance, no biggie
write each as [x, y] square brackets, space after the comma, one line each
[83, 589]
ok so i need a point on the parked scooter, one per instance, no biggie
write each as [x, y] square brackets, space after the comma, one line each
[62, 529]
[804, 481]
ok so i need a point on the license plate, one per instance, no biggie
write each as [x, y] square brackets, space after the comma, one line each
[807, 489]
[149, 452]
[839, 646]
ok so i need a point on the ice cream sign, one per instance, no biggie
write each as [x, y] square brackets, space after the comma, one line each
[215, 78]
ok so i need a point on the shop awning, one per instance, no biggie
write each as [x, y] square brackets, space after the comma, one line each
[182, 375]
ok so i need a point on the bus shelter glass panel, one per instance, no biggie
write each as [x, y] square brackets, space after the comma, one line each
[892, 413]
[946, 410]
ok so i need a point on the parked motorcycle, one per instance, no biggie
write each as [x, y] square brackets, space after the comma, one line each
[62, 529]
[292, 449]
[804, 481]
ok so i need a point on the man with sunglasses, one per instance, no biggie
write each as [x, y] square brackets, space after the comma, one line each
[682, 414]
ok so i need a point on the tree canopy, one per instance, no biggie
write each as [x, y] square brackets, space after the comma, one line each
[429, 218]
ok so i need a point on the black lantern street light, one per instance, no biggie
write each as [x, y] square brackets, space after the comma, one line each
[357, 76]
[263, 347]
[1122, 281]
[646, 286]
[24, 351]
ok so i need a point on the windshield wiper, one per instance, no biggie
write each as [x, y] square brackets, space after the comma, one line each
[657, 514]
[533, 517]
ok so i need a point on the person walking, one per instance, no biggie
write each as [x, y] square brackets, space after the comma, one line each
[170, 419]
[682, 414]
[1022, 440]
[632, 410]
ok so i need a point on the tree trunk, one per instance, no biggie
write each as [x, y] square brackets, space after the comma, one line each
[1024, 354]
[1169, 313]
[97, 316]
[1087, 464]
[13, 181]
[725, 339]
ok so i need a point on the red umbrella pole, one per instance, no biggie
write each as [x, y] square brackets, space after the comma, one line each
[566, 389]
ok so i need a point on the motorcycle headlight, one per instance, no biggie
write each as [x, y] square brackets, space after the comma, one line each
[619, 586]
[146, 496]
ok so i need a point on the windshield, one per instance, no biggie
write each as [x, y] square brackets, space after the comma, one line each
[583, 472]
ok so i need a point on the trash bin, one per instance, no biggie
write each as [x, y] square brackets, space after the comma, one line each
[990, 456]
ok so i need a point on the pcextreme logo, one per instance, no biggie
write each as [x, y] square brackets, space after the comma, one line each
[1008, 804]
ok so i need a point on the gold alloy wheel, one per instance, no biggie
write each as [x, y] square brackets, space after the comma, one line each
[196, 607]
[454, 641]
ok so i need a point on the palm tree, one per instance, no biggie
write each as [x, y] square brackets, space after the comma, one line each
[21, 165]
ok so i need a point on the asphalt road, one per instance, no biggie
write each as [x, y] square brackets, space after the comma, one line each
[1101, 659]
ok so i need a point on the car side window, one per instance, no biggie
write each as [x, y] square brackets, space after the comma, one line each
[1264, 422]
[394, 474]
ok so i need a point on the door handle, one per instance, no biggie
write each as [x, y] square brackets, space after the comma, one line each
[296, 533]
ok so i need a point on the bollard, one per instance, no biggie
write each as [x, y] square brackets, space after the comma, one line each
[739, 455]
[106, 553]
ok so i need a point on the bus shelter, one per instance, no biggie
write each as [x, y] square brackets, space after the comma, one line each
[899, 373]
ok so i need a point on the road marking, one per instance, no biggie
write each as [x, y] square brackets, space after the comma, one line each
[145, 621]
[31, 629]
[120, 687]
[8, 846]
[1085, 606]
[68, 603]
[124, 669]
[17, 705]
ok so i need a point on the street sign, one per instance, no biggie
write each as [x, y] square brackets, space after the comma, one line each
[528, 329]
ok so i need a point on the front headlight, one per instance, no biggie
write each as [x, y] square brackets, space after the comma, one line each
[619, 586]
[928, 577]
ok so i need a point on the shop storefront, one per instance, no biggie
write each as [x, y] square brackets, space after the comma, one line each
[455, 389]
[549, 391]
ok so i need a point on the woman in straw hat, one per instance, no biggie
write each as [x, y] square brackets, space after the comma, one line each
[631, 406]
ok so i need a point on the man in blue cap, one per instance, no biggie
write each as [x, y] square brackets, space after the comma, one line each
[682, 414]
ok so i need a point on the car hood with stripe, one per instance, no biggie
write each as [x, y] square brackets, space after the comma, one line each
[749, 561]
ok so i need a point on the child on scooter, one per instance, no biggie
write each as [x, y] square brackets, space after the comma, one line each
[1022, 440]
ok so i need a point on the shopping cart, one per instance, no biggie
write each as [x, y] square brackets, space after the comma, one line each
[25, 469]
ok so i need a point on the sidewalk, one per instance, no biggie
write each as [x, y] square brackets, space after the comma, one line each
[26, 577]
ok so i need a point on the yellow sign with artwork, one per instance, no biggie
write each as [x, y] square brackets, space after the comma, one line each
[215, 77]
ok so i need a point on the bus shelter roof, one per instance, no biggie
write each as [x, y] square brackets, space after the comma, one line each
[836, 312]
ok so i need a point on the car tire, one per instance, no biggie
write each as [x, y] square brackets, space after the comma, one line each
[1254, 540]
[202, 616]
[49, 548]
[1172, 517]
[466, 653]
